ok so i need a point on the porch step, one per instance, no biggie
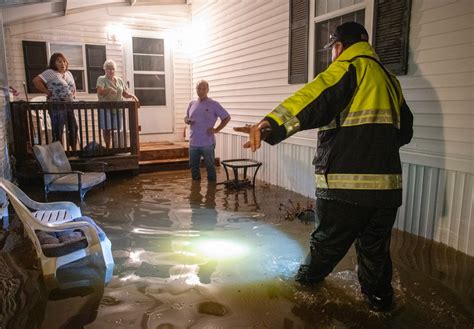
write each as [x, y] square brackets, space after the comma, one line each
[152, 162]
[164, 165]
[163, 156]
[153, 151]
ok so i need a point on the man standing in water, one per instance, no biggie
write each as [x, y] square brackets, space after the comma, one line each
[201, 116]
[363, 120]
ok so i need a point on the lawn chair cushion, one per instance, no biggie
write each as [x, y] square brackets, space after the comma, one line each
[55, 244]
[69, 182]
[52, 159]
[99, 230]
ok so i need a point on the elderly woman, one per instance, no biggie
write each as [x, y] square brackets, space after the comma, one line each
[58, 85]
[110, 89]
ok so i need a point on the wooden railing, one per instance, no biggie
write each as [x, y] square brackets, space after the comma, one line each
[33, 124]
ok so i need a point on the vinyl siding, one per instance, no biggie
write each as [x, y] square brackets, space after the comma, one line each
[90, 27]
[244, 58]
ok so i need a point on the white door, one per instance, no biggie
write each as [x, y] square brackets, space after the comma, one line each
[149, 71]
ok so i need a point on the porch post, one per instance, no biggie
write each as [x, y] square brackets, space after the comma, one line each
[5, 167]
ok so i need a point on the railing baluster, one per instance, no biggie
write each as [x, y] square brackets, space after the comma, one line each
[116, 118]
[124, 126]
[97, 114]
[80, 111]
[38, 125]
[30, 126]
[89, 106]
[87, 124]
[134, 141]
[112, 124]
[45, 121]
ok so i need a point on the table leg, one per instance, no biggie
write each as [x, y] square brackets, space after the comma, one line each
[255, 174]
[236, 175]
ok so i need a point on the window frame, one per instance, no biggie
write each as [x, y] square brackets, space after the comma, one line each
[82, 68]
[85, 68]
[368, 5]
[168, 54]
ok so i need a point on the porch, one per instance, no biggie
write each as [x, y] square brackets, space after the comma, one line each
[31, 122]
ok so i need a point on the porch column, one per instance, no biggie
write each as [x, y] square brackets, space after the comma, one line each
[5, 168]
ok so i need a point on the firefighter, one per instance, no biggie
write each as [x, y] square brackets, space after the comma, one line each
[363, 120]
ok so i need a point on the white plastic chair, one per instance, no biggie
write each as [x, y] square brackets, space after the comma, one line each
[50, 264]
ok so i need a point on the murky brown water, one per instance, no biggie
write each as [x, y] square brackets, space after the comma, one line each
[203, 256]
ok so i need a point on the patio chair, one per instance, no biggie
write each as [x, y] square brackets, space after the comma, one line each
[86, 238]
[57, 172]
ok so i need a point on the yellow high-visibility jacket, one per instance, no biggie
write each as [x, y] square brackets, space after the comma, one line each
[363, 119]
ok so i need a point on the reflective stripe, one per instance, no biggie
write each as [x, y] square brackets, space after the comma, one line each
[367, 117]
[331, 125]
[280, 114]
[358, 118]
[292, 126]
[283, 116]
[359, 181]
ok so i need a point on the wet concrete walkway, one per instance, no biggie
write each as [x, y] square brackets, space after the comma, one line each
[193, 255]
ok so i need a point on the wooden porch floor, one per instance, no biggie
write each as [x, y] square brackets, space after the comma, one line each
[164, 155]
[161, 156]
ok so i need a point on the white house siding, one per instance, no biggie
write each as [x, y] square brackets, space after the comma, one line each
[90, 27]
[243, 54]
[244, 57]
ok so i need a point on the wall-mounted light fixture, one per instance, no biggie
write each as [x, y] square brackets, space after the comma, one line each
[111, 36]
[115, 32]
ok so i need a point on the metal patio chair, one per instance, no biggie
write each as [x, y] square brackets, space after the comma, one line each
[58, 174]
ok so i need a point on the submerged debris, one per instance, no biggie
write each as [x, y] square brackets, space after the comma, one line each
[292, 211]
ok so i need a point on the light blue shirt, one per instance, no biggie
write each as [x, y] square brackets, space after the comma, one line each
[203, 115]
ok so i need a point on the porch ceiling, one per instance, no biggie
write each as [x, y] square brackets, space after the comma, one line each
[15, 11]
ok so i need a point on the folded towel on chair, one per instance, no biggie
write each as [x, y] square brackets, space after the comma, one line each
[55, 244]
[100, 232]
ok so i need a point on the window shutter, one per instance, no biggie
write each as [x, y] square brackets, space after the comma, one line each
[36, 61]
[95, 58]
[298, 43]
[391, 33]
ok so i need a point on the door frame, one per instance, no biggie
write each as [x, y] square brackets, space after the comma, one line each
[169, 76]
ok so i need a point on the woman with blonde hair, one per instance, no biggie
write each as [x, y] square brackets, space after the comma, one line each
[111, 89]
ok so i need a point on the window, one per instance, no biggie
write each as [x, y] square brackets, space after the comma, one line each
[387, 22]
[329, 14]
[82, 67]
[298, 42]
[149, 70]
[36, 61]
[95, 58]
[74, 55]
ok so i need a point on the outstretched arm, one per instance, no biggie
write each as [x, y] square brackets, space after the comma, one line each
[256, 132]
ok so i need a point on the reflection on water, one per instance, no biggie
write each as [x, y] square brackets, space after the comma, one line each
[198, 255]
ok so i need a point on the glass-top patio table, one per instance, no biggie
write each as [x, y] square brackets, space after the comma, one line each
[237, 164]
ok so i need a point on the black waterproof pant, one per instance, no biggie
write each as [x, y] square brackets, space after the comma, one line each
[340, 224]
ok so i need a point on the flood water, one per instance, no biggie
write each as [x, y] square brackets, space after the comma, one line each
[193, 255]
